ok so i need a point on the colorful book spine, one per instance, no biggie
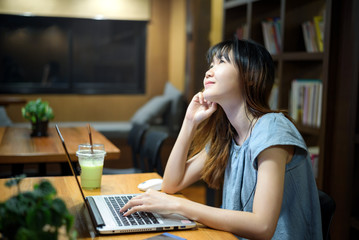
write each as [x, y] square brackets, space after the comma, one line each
[313, 34]
[319, 30]
[272, 35]
[314, 157]
[242, 31]
[305, 102]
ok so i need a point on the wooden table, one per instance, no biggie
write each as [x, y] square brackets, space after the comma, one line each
[111, 184]
[17, 147]
[5, 101]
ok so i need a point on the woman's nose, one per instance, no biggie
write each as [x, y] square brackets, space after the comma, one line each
[209, 73]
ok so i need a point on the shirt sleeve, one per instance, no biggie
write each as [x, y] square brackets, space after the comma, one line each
[274, 129]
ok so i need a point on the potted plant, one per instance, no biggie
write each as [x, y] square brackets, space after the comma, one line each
[39, 113]
[36, 214]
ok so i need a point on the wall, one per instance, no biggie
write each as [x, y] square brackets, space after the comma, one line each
[177, 43]
[165, 56]
[112, 9]
[216, 33]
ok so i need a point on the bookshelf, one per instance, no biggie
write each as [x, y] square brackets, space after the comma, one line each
[338, 68]
[292, 60]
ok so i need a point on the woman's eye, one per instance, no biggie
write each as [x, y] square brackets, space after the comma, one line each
[222, 60]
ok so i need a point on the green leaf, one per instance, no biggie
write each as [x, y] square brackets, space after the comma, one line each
[69, 219]
[35, 214]
[33, 119]
[37, 111]
[48, 235]
[15, 181]
[59, 212]
[14, 206]
[59, 206]
[46, 188]
[33, 221]
[73, 235]
[25, 234]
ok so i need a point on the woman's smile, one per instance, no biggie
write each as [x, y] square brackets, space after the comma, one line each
[208, 83]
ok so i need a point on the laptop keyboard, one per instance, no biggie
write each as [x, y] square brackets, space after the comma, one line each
[138, 218]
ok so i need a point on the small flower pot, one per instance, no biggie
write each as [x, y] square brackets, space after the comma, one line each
[39, 129]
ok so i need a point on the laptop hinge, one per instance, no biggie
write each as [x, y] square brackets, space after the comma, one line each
[95, 213]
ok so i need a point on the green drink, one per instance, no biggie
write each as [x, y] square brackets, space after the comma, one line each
[91, 163]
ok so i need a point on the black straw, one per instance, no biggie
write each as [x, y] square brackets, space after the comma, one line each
[90, 136]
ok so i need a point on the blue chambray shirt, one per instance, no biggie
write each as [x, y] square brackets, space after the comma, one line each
[300, 213]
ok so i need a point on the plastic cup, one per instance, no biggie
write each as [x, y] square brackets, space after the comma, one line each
[91, 164]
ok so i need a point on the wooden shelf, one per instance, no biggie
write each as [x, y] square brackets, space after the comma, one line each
[298, 56]
[293, 62]
[302, 56]
[308, 129]
[338, 136]
[234, 3]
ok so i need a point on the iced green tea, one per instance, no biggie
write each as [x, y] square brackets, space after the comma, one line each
[91, 163]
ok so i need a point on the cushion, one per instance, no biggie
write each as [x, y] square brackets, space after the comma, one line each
[4, 119]
[177, 106]
[152, 110]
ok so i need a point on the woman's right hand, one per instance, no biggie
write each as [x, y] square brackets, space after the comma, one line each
[200, 109]
[181, 172]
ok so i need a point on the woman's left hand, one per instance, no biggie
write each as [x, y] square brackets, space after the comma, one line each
[151, 201]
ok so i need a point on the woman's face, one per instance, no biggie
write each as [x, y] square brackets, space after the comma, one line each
[221, 82]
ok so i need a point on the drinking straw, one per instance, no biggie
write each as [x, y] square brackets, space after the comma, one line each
[90, 136]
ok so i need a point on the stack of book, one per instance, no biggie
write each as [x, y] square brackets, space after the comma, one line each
[313, 34]
[306, 101]
[242, 31]
[274, 98]
[314, 158]
[272, 35]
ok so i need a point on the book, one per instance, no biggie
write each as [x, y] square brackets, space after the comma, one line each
[307, 43]
[278, 34]
[272, 35]
[319, 31]
[242, 31]
[305, 101]
[273, 98]
[266, 37]
[310, 38]
[319, 113]
[314, 158]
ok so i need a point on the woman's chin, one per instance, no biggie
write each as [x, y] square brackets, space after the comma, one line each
[208, 95]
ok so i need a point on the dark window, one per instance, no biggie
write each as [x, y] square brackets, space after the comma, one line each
[71, 55]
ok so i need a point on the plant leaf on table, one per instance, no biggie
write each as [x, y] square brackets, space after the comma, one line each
[37, 111]
[36, 214]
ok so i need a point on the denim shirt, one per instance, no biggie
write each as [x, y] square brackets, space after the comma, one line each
[300, 213]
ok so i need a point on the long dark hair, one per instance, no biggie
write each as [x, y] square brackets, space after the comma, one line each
[256, 73]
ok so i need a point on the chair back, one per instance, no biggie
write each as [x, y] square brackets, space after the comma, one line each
[327, 207]
[151, 150]
[135, 139]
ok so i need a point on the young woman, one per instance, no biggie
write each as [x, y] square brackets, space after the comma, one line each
[231, 138]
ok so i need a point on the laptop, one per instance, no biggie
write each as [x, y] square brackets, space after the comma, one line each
[107, 219]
